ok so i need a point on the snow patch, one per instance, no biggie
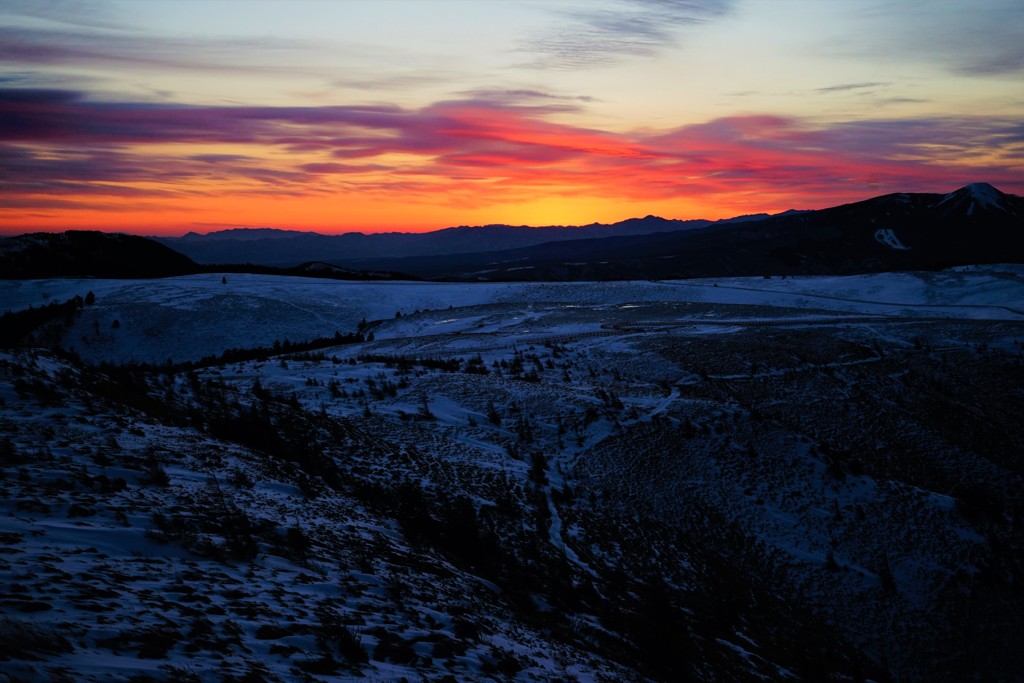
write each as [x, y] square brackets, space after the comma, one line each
[887, 236]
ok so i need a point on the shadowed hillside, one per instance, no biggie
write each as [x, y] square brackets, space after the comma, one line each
[89, 253]
[976, 224]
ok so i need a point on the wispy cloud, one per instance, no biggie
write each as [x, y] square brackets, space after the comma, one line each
[66, 116]
[60, 145]
[120, 48]
[976, 43]
[1006, 58]
[610, 32]
[786, 155]
[522, 96]
[984, 38]
[844, 87]
[81, 13]
[396, 81]
[900, 100]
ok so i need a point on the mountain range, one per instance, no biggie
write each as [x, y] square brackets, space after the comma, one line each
[920, 231]
[975, 224]
[268, 246]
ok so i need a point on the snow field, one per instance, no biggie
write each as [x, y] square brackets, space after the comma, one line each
[186, 318]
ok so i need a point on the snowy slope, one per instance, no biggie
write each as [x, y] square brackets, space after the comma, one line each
[731, 479]
[186, 318]
[95, 586]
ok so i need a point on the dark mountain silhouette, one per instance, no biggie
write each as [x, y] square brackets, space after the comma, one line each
[288, 247]
[976, 224]
[86, 253]
[79, 253]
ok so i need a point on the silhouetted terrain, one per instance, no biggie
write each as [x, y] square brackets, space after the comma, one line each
[288, 247]
[83, 253]
[976, 224]
[89, 253]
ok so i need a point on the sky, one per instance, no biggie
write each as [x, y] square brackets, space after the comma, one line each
[160, 117]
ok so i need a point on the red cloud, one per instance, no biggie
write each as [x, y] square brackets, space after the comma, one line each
[59, 144]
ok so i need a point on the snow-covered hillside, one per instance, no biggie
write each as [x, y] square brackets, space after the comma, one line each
[136, 547]
[734, 479]
[187, 318]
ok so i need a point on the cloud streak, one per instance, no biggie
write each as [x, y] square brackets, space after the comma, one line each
[844, 87]
[60, 149]
[67, 12]
[121, 49]
[985, 39]
[604, 35]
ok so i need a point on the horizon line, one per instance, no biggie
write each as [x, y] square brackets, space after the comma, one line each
[355, 231]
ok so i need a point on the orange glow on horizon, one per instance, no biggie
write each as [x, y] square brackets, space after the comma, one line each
[415, 116]
[352, 213]
[333, 214]
[166, 170]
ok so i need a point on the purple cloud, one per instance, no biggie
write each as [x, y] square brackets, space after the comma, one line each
[55, 142]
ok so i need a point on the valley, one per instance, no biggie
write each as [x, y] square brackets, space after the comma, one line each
[799, 478]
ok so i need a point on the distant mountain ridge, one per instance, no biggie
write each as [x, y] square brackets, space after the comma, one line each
[976, 224]
[903, 231]
[268, 246]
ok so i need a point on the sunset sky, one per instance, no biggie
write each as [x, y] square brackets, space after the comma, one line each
[165, 116]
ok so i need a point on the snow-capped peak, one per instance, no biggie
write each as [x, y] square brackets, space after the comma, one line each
[985, 194]
[974, 195]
